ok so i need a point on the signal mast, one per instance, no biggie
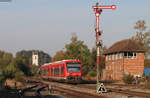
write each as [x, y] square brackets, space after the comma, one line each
[98, 11]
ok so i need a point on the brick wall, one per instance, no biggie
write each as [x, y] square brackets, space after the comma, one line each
[134, 66]
[115, 69]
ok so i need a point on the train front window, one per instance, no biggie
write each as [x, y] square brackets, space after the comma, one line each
[73, 67]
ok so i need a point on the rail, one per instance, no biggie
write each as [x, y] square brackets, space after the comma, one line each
[39, 88]
[129, 92]
[76, 93]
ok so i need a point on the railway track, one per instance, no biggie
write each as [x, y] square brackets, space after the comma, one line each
[35, 90]
[73, 91]
[69, 91]
[77, 93]
[81, 90]
[129, 92]
[121, 90]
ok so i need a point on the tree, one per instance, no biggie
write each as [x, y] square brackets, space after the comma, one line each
[7, 69]
[44, 57]
[5, 59]
[20, 64]
[143, 36]
[93, 59]
[78, 50]
[27, 55]
[60, 55]
[147, 63]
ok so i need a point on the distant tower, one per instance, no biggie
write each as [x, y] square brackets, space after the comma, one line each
[35, 58]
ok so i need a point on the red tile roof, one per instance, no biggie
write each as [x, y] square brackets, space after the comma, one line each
[125, 46]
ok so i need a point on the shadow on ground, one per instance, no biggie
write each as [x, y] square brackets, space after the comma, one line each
[46, 96]
[14, 95]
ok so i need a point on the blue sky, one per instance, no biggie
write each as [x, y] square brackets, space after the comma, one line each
[48, 24]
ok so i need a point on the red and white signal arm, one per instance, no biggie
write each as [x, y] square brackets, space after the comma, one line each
[113, 7]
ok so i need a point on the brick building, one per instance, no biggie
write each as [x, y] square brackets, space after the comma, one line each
[123, 57]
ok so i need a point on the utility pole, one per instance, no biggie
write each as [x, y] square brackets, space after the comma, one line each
[98, 11]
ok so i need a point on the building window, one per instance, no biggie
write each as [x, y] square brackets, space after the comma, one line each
[120, 56]
[129, 55]
[106, 58]
[109, 57]
[134, 55]
[117, 56]
[125, 54]
[112, 56]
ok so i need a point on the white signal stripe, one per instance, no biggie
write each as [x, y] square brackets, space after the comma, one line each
[104, 7]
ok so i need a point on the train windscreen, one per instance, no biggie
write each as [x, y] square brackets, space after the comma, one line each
[73, 67]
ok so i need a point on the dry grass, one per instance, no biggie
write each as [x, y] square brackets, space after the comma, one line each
[13, 83]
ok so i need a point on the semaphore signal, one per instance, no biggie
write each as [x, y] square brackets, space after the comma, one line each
[98, 11]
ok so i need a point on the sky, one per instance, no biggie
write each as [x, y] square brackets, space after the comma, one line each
[48, 25]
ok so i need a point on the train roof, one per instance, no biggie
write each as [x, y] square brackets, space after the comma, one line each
[68, 60]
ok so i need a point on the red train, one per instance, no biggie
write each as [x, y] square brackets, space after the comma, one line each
[65, 70]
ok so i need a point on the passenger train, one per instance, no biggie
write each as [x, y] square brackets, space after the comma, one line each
[64, 71]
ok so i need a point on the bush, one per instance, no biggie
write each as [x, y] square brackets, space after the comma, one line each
[128, 79]
[147, 78]
[19, 76]
[91, 73]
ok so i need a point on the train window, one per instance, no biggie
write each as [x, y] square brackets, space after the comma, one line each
[73, 67]
[62, 70]
[56, 71]
[45, 71]
[52, 71]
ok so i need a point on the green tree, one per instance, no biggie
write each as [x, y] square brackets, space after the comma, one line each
[5, 59]
[44, 57]
[93, 59]
[147, 63]
[78, 50]
[60, 55]
[27, 55]
[20, 64]
[128, 79]
[7, 69]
